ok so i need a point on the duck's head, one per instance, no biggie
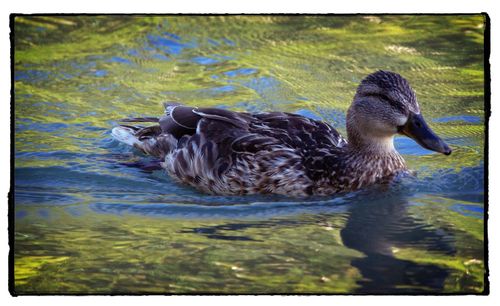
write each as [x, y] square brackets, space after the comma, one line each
[386, 105]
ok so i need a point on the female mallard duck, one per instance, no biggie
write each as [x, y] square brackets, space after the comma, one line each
[224, 152]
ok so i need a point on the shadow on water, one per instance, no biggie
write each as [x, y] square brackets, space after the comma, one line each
[376, 227]
[214, 232]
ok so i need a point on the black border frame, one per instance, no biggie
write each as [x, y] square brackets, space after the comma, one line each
[11, 194]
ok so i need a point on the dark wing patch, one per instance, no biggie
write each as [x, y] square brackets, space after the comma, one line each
[239, 120]
[182, 120]
[179, 120]
[297, 132]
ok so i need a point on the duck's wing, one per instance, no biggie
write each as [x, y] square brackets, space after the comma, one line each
[227, 138]
[201, 144]
[182, 120]
[178, 122]
[299, 132]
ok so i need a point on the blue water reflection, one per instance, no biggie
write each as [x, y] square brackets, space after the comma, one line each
[167, 45]
[240, 71]
[204, 60]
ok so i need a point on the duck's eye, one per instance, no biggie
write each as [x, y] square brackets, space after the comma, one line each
[418, 123]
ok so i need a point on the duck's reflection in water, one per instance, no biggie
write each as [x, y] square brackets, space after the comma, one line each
[377, 224]
[380, 225]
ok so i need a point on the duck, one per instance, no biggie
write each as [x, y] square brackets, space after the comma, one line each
[223, 152]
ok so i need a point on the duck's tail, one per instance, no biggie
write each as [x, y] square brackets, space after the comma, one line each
[126, 135]
[149, 139]
[161, 135]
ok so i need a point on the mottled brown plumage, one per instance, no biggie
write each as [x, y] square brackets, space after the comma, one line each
[224, 152]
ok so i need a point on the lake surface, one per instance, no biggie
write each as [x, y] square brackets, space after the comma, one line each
[88, 222]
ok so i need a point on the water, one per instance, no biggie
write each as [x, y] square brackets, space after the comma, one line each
[85, 222]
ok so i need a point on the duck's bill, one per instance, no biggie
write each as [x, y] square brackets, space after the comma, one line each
[417, 129]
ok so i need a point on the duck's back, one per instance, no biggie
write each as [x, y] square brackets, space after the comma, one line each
[225, 152]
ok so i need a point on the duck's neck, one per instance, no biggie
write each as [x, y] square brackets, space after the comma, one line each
[373, 158]
[380, 146]
[373, 144]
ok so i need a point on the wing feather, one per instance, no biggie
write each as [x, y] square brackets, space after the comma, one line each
[221, 151]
